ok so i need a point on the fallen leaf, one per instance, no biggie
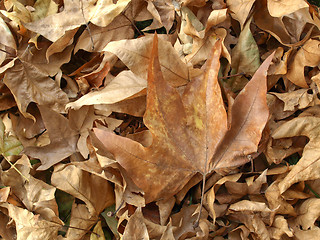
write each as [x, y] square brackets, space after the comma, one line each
[95, 191]
[284, 7]
[9, 144]
[135, 53]
[306, 56]
[279, 228]
[136, 228]
[240, 9]
[167, 114]
[126, 85]
[304, 169]
[245, 55]
[97, 233]
[75, 14]
[63, 139]
[246, 127]
[37, 196]
[31, 226]
[188, 117]
[120, 28]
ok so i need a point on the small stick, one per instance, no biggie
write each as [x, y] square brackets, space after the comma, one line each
[87, 25]
[133, 24]
[111, 214]
[235, 75]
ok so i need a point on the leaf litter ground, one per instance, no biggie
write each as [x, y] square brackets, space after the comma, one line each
[206, 130]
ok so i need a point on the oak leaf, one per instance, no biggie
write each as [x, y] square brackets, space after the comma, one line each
[187, 130]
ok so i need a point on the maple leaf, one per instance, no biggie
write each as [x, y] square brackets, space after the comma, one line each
[187, 130]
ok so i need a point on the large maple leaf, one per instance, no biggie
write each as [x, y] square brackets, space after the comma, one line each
[190, 133]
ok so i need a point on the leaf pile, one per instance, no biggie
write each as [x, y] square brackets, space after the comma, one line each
[143, 119]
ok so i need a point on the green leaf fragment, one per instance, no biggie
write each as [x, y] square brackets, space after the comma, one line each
[111, 221]
[9, 145]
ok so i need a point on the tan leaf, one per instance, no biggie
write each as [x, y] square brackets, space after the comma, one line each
[136, 228]
[63, 139]
[6, 232]
[82, 121]
[279, 228]
[82, 219]
[276, 201]
[7, 38]
[124, 86]
[308, 55]
[210, 196]
[285, 7]
[6, 98]
[246, 205]
[297, 99]
[305, 168]
[254, 223]
[163, 12]
[286, 32]
[240, 9]
[308, 212]
[37, 196]
[95, 191]
[28, 84]
[120, 28]
[135, 53]
[31, 226]
[75, 14]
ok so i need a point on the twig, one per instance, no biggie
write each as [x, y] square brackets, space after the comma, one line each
[68, 226]
[111, 214]
[141, 33]
[14, 167]
[235, 75]
[87, 25]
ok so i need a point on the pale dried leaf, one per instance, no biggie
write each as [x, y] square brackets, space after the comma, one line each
[135, 54]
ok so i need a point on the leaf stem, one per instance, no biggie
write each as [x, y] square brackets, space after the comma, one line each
[201, 203]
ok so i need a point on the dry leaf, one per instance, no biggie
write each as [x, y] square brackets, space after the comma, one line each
[63, 139]
[187, 120]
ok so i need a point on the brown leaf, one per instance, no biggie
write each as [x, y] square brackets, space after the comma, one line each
[120, 28]
[280, 227]
[100, 13]
[166, 119]
[37, 196]
[284, 7]
[95, 191]
[125, 85]
[240, 9]
[308, 55]
[175, 122]
[31, 226]
[249, 116]
[305, 169]
[29, 84]
[63, 139]
[135, 53]
[136, 228]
